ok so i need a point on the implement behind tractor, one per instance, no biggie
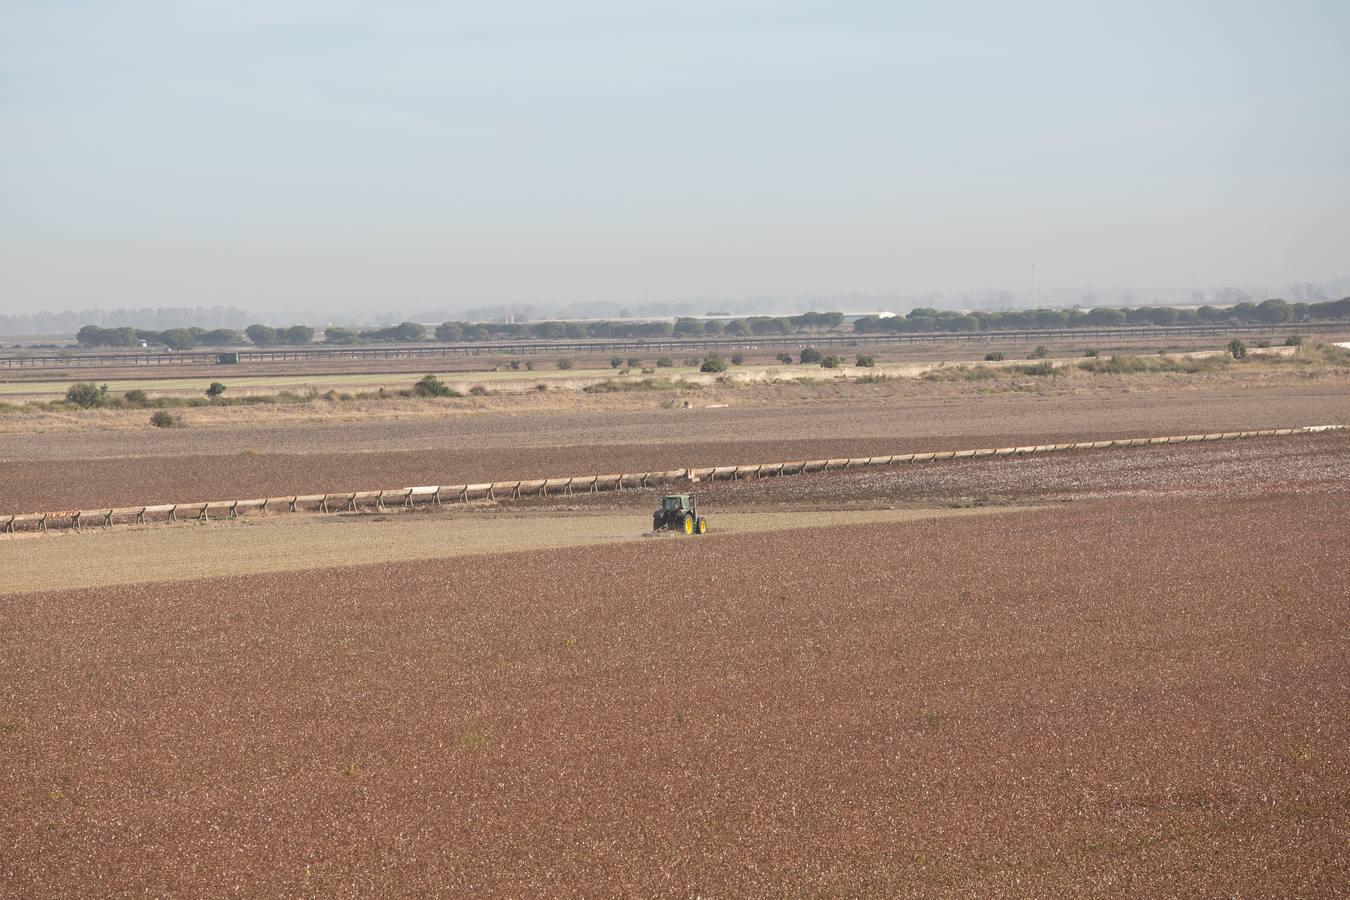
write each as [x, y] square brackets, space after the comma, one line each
[679, 512]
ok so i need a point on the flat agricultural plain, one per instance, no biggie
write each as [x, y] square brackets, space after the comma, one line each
[1091, 674]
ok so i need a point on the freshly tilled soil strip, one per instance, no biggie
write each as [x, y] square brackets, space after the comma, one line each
[409, 497]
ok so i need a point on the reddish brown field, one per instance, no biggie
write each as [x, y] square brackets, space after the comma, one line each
[1115, 698]
[48, 471]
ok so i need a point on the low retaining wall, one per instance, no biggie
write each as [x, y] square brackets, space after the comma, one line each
[437, 495]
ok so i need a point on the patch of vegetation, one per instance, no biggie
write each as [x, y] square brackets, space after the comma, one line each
[431, 386]
[475, 739]
[1041, 352]
[609, 386]
[810, 355]
[1134, 365]
[565, 363]
[162, 418]
[785, 358]
[1237, 349]
[961, 373]
[1294, 340]
[873, 378]
[214, 390]
[1039, 369]
[865, 362]
[615, 362]
[665, 362]
[479, 390]
[831, 362]
[135, 397]
[993, 357]
[87, 395]
[737, 359]
[713, 363]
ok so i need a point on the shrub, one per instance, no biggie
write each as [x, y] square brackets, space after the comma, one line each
[634, 362]
[162, 418]
[564, 363]
[810, 355]
[136, 397]
[1091, 354]
[713, 363]
[873, 378]
[993, 357]
[1293, 340]
[865, 362]
[737, 359]
[831, 362]
[478, 390]
[665, 362]
[785, 358]
[1041, 352]
[87, 395]
[615, 362]
[1040, 368]
[1237, 349]
[692, 361]
[431, 386]
[648, 371]
[215, 390]
[541, 387]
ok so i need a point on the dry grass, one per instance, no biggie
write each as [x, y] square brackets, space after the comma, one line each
[34, 562]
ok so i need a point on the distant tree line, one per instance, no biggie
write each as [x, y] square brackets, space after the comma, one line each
[756, 326]
[1270, 312]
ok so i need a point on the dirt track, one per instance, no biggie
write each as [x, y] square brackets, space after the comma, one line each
[61, 471]
[1118, 698]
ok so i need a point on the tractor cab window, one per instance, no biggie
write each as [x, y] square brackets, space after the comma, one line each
[672, 503]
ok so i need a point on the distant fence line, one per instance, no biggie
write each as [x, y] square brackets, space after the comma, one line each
[319, 352]
[437, 495]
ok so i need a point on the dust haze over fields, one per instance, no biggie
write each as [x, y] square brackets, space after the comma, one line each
[330, 158]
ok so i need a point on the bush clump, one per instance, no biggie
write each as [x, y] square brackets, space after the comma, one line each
[865, 362]
[87, 395]
[214, 390]
[993, 357]
[564, 363]
[810, 355]
[737, 359]
[162, 418]
[665, 362]
[1237, 349]
[1041, 352]
[431, 386]
[713, 363]
[831, 362]
[1294, 340]
[615, 362]
[785, 358]
[135, 397]
[478, 390]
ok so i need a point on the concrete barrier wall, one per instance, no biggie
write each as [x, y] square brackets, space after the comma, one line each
[436, 495]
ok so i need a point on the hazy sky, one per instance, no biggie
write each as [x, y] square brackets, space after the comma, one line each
[377, 155]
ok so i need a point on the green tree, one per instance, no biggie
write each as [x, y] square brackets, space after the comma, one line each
[1237, 349]
[261, 335]
[713, 363]
[810, 355]
[215, 390]
[87, 395]
[298, 334]
[449, 331]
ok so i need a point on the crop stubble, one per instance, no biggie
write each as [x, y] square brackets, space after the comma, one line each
[1122, 697]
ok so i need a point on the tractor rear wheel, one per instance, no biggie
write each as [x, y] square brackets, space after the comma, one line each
[688, 524]
[702, 526]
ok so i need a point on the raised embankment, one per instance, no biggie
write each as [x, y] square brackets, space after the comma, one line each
[436, 495]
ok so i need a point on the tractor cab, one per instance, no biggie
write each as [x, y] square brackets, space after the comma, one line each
[679, 512]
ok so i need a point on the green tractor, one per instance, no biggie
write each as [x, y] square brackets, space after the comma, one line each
[679, 512]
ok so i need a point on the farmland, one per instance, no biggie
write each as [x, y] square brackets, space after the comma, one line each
[1093, 672]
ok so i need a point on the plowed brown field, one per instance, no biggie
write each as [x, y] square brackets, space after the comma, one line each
[1117, 698]
[68, 470]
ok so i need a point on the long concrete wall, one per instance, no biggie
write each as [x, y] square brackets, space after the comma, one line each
[437, 495]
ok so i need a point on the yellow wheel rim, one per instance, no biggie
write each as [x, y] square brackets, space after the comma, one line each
[688, 526]
[702, 527]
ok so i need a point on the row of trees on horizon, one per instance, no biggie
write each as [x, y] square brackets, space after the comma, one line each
[1270, 312]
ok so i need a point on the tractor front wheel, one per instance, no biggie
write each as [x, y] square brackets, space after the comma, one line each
[702, 526]
[688, 524]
